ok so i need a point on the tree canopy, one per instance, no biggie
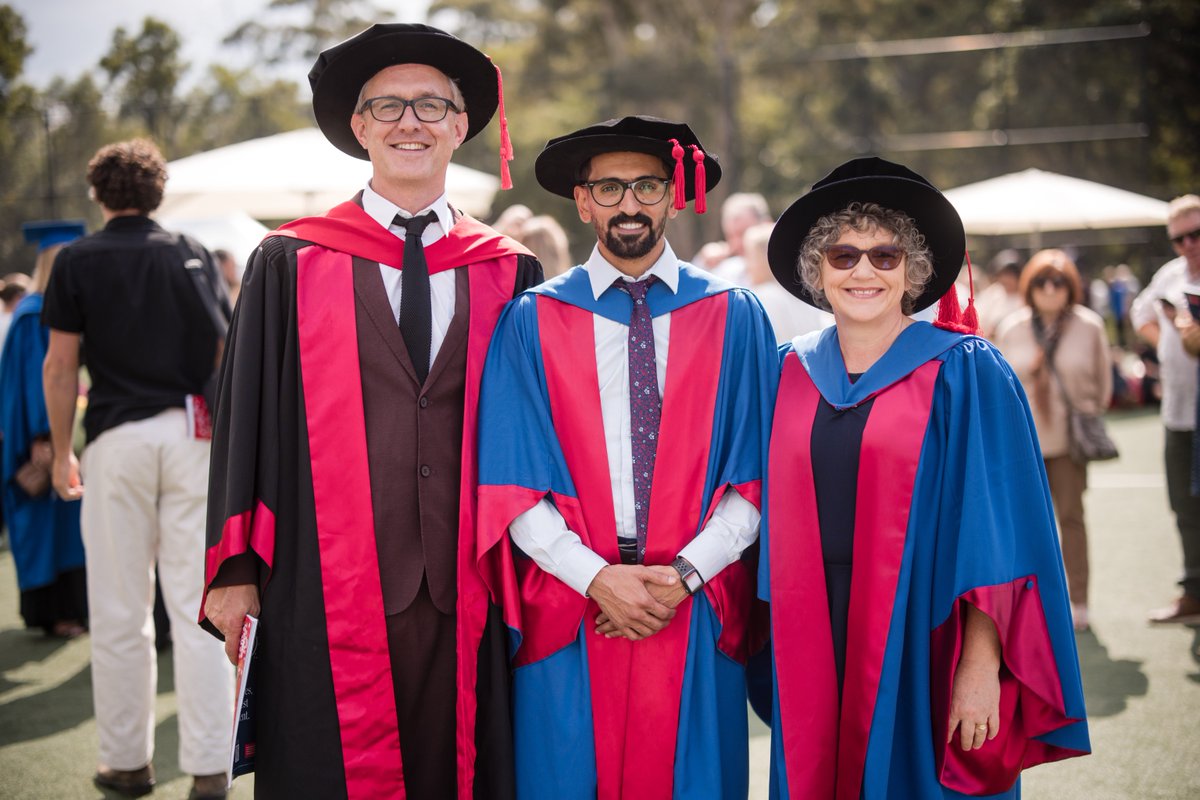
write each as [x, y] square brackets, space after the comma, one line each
[780, 90]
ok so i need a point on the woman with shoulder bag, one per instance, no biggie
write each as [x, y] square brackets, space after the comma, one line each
[1059, 349]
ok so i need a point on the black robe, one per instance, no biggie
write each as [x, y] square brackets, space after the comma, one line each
[290, 483]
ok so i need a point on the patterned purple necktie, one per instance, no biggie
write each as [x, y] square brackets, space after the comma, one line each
[645, 409]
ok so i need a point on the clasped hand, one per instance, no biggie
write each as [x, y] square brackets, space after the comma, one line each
[635, 601]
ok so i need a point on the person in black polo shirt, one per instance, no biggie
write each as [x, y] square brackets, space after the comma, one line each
[126, 293]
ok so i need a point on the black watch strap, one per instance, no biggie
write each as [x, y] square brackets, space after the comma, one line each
[692, 580]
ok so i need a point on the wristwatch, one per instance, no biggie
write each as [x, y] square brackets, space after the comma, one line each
[692, 580]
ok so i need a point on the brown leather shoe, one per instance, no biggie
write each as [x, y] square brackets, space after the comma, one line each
[209, 787]
[129, 782]
[1185, 610]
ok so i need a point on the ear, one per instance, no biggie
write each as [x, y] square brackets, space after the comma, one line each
[672, 211]
[359, 125]
[461, 124]
[582, 205]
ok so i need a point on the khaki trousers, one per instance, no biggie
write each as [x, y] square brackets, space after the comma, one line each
[145, 489]
[1068, 481]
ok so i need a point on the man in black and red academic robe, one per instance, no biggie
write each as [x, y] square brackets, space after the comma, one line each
[342, 490]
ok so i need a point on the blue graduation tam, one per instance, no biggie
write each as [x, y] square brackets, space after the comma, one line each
[49, 232]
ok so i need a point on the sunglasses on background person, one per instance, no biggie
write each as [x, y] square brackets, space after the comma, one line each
[1052, 280]
[847, 256]
[1190, 235]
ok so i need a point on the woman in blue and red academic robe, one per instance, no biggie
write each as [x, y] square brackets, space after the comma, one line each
[922, 641]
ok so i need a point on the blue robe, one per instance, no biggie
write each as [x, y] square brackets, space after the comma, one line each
[43, 531]
[952, 509]
[664, 717]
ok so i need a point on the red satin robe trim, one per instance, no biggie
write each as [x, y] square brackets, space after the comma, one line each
[887, 474]
[811, 723]
[1031, 700]
[491, 286]
[635, 685]
[347, 228]
[358, 646]
[249, 531]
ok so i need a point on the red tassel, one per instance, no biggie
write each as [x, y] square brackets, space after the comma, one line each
[953, 318]
[970, 315]
[680, 181]
[701, 180]
[949, 315]
[506, 148]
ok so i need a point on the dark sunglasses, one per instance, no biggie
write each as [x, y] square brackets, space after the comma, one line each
[847, 256]
[1057, 281]
[1190, 235]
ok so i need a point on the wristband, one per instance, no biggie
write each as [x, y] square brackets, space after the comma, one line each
[692, 580]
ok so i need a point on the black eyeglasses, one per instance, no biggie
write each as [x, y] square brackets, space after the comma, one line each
[647, 190]
[847, 256]
[391, 109]
[1053, 280]
[1189, 235]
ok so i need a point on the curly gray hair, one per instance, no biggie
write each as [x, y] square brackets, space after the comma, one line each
[864, 218]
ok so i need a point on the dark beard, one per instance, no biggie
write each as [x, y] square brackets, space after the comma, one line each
[632, 247]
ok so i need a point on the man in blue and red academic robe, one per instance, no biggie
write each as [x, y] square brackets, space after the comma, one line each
[622, 446]
[343, 486]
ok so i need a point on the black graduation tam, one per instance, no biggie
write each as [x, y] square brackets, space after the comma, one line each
[340, 72]
[558, 164]
[49, 232]
[893, 186]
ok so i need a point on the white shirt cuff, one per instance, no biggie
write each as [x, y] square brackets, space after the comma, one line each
[732, 528]
[542, 534]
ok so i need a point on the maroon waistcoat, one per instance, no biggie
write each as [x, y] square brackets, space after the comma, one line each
[414, 444]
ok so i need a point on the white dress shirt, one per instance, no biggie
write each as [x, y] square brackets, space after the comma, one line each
[1176, 369]
[542, 533]
[441, 285]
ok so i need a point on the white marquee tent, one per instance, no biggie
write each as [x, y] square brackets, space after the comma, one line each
[237, 232]
[290, 175]
[1034, 201]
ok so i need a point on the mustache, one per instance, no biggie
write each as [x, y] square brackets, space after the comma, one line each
[640, 219]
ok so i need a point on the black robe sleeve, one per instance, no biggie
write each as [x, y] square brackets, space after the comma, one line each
[529, 274]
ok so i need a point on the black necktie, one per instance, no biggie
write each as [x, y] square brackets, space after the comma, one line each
[416, 317]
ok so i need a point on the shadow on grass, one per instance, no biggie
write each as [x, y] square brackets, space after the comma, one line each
[48, 713]
[1107, 684]
[21, 646]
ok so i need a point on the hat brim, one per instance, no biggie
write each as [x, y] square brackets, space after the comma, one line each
[340, 73]
[933, 214]
[557, 165]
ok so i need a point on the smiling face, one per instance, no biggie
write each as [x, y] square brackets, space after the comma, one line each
[630, 234]
[409, 157]
[865, 295]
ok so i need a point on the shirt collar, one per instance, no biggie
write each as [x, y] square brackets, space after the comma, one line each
[602, 274]
[383, 211]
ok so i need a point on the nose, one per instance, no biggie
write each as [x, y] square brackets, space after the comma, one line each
[629, 203]
[863, 267]
[408, 119]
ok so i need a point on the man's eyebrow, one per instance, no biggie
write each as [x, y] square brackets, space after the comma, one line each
[628, 180]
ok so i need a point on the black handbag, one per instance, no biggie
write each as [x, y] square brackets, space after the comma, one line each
[1088, 438]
